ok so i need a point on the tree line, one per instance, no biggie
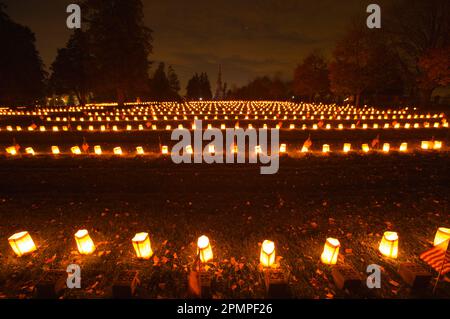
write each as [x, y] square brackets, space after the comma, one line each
[404, 62]
[109, 60]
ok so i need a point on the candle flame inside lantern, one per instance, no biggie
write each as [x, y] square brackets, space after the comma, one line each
[365, 148]
[165, 150]
[386, 147]
[347, 147]
[204, 249]
[117, 151]
[142, 245]
[389, 244]
[425, 145]
[11, 150]
[76, 150]
[283, 148]
[55, 150]
[211, 149]
[140, 150]
[404, 147]
[22, 243]
[267, 257]
[325, 148]
[84, 242]
[442, 235]
[330, 251]
[437, 145]
[189, 149]
[98, 150]
[29, 151]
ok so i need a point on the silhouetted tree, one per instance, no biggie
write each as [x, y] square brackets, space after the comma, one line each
[434, 69]
[160, 86]
[198, 87]
[121, 45]
[193, 88]
[73, 68]
[173, 80]
[262, 88]
[363, 63]
[205, 87]
[21, 69]
[311, 77]
[417, 29]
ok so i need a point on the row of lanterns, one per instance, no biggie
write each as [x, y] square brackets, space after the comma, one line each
[154, 127]
[241, 107]
[75, 150]
[22, 244]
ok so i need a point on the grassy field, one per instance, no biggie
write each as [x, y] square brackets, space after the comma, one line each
[354, 198]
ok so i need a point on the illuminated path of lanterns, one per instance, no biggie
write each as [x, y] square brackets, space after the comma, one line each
[17, 151]
[143, 130]
[167, 116]
[23, 244]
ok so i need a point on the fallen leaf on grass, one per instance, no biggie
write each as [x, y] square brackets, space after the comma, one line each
[50, 260]
[394, 283]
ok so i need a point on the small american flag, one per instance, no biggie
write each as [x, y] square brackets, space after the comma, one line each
[438, 257]
[376, 141]
[85, 145]
[308, 142]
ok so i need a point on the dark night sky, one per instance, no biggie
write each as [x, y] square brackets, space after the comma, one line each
[248, 37]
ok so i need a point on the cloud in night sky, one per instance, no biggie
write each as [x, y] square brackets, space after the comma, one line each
[248, 38]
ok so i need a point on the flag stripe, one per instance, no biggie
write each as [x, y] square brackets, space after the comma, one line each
[438, 257]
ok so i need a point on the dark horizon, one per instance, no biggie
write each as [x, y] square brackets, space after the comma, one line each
[250, 39]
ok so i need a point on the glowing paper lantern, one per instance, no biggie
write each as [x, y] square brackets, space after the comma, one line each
[325, 148]
[76, 150]
[258, 149]
[140, 150]
[365, 148]
[142, 245]
[84, 242]
[55, 150]
[204, 249]
[304, 149]
[267, 257]
[389, 244]
[404, 147]
[386, 147]
[189, 149]
[426, 145]
[330, 251]
[22, 243]
[165, 150]
[283, 148]
[347, 147]
[437, 145]
[98, 150]
[442, 235]
[11, 150]
[29, 151]
[117, 150]
[211, 149]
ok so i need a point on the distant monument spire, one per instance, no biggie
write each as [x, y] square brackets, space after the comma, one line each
[219, 86]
